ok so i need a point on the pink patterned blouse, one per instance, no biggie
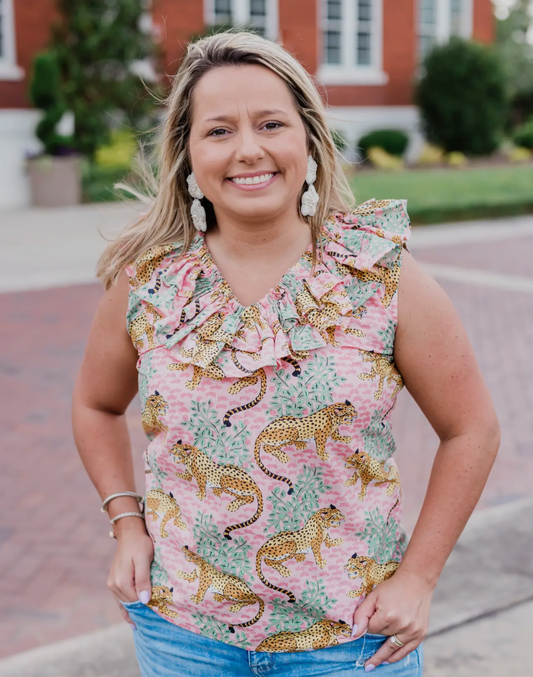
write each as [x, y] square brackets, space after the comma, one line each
[272, 497]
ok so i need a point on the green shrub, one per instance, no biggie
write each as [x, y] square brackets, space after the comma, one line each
[393, 141]
[463, 97]
[523, 136]
[45, 93]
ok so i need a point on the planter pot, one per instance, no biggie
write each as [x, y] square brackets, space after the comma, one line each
[55, 181]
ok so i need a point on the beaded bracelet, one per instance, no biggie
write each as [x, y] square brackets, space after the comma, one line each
[123, 514]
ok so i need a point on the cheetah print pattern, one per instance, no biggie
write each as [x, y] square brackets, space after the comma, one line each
[320, 635]
[368, 469]
[165, 504]
[369, 571]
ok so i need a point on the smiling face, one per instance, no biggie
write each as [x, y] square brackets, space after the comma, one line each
[245, 125]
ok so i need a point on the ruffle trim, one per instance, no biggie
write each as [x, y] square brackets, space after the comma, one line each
[190, 310]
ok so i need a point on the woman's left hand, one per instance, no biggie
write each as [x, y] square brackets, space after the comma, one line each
[398, 606]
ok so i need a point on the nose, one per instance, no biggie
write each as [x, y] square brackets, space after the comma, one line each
[248, 148]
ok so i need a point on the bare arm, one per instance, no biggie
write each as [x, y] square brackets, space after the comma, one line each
[436, 360]
[106, 385]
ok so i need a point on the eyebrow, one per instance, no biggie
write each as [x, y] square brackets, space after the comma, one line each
[260, 113]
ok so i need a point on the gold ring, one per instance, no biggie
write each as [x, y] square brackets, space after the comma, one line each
[396, 641]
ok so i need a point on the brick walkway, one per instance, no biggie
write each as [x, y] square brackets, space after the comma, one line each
[54, 550]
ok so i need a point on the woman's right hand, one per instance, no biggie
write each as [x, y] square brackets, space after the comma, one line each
[129, 578]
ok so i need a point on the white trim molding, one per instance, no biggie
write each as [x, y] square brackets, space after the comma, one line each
[355, 54]
[8, 54]
[241, 13]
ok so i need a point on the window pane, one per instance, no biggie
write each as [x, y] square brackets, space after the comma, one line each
[258, 8]
[364, 49]
[365, 10]
[223, 12]
[334, 9]
[456, 11]
[332, 46]
[2, 47]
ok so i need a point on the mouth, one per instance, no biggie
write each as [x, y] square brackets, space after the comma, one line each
[253, 182]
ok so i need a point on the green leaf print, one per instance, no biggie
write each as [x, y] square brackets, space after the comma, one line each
[146, 372]
[382, 539]
[221, 444]
[288, 513]
[158, 575]
[209, 627]
[310, 608]
[387, 336]
[377, 437]
[231, 557]
[311, 391]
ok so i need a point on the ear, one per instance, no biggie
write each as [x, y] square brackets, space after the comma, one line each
[171, 494]
[156, 393]
[341, 621]
[172, 589]
[354, 555]
[332, 507]
[348, 403]
[180, 442]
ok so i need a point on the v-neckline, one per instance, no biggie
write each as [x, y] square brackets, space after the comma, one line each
[208, 259]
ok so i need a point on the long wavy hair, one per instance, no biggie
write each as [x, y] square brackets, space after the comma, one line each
[164, 190]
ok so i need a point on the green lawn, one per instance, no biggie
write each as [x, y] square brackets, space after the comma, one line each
[435, 195]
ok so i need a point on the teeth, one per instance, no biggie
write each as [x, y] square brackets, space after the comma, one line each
[255, 179]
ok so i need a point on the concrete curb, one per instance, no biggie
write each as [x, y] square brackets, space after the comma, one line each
[490, 569]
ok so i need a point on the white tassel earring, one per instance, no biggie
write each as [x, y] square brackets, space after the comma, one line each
[310, 198]
[197, 211]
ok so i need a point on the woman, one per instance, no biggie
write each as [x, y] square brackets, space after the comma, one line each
[272, 326]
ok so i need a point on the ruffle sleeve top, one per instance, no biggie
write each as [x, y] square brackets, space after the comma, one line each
[272, 497]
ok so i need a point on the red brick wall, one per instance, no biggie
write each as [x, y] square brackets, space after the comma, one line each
[484, 21]
[33, 19]
[298, 29]
[176, 21]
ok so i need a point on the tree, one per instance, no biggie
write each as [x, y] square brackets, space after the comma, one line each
[463, 97]
[97, 43]
[514, 29]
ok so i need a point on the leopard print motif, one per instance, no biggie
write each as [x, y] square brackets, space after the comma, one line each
[322, 313]
[160, 596]
[224, 479]
[321, 635]
[295, 544]
[390, 277]
[290, 430]
[369, 571]
[370, 470]
[154, 407]
[147, 264]
[236, 387]
[383, 368]
[159, 502]
[226, 588]
[141, 326]
[205, 351]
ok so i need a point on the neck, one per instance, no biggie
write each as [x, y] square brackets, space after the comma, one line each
[253, 237]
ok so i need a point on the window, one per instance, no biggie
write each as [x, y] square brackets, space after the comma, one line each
[351, 42]
[438, 20]
[8, 60]
[261, 14]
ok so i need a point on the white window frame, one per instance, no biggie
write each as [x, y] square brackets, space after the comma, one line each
[443, 24]
[8, 61]
[348, 72]
[240, 10]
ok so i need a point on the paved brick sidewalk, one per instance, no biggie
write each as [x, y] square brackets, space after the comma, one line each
[54, 550]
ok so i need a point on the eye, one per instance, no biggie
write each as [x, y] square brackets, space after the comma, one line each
[274, 123]
[220, 129]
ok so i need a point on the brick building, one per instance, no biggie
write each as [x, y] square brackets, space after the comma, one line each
[363, 53]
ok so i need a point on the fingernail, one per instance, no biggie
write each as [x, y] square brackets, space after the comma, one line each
[385, 663]
[133, 627]
[354, 630]
[144, 596]
[369, 667]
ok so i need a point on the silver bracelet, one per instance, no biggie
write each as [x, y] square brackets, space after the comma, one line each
[123, 514]
[139, 498]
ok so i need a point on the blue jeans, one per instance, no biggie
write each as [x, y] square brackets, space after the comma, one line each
[166, 650]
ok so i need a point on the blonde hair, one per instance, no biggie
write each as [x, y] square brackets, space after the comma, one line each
[168, 218]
